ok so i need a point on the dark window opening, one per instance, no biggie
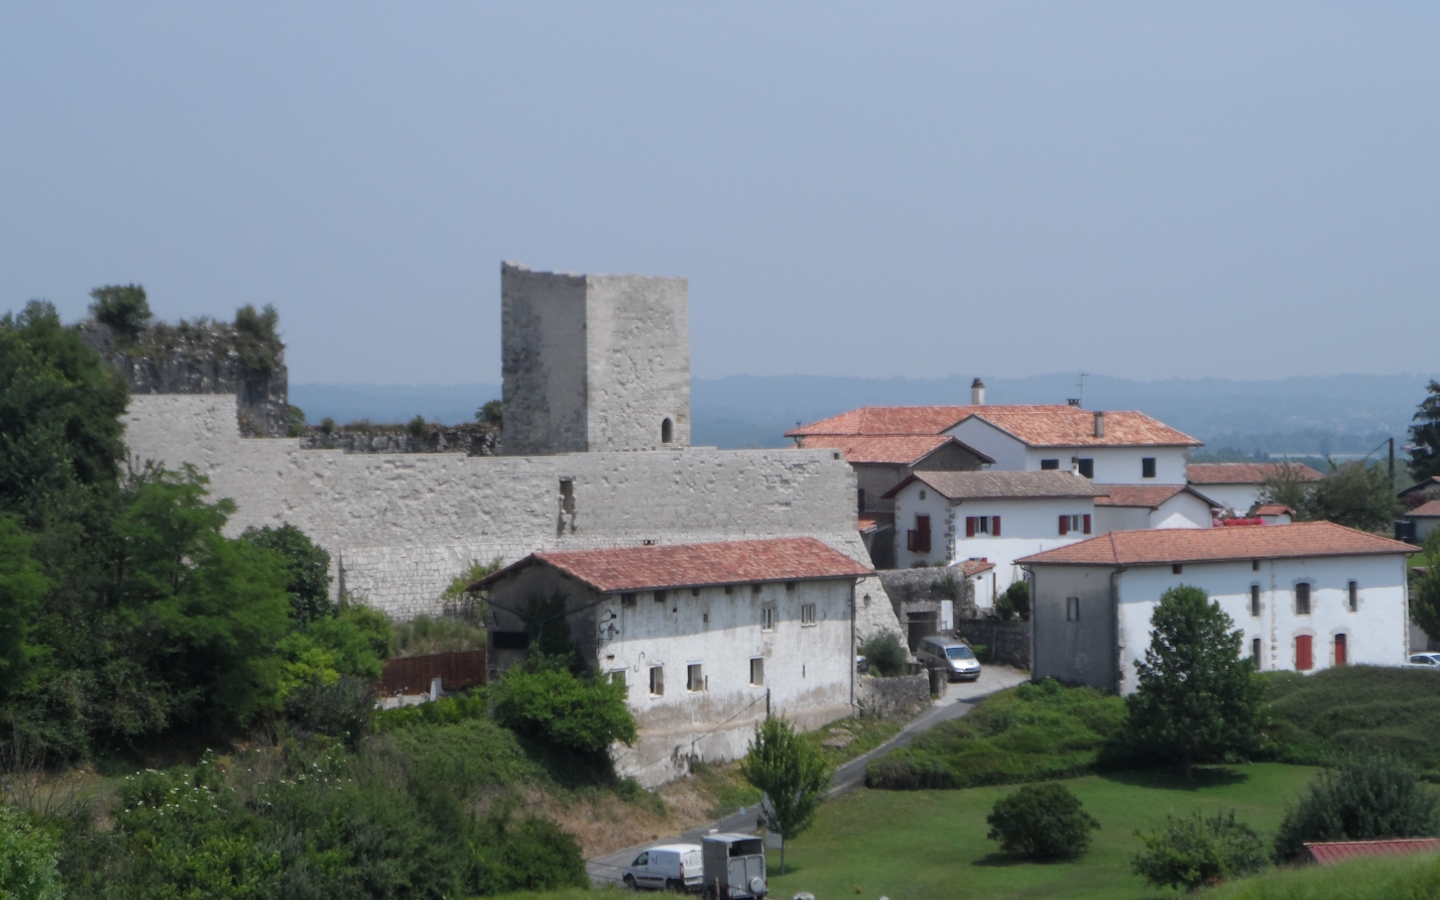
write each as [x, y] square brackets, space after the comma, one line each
[1087, 468]
[860, 497]
[510, 640]
[1072, 609]
[1255, 652]
[1302, 598]
[1147, 467]
[755, 588]
[1354, 595]
[789, 585]
[1048, 464]
[917, 540]
[667, 431]
[659, 596]
[757, 671]
[627, 599]
[1254, 599]
[694, 592]
[1177, 569]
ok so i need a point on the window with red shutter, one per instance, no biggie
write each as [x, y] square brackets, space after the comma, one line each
[969, 526]
[1087, 523]
[995, 529]
[1064, 525]
[1304, 659]
[1340, 649]
[922, 534]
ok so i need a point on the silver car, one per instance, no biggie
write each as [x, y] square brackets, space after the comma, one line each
[1424, 661]
[952, 655]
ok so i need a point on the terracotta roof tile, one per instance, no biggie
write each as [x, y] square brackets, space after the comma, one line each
[1272, 509]
[1244, 473]
[871, 520]
[975, 566]
[692, 565]
[1428, 484]
[1002, 485]
[1180, 545]
[1328, 852]
[874, 420]
[1426, 509]
[1149, 496]
[892, 449]
[1037, 425]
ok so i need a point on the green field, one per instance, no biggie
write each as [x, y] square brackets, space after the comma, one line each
[916, 845]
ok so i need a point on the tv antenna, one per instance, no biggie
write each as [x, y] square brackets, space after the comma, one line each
[1080, 389]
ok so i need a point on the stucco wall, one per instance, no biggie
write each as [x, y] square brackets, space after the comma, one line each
[1184, 510]
[1113, 465]
[1239, 497]
[403, 526]
[1083, 651]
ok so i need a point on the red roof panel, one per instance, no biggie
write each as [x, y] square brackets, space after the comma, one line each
[1180, 545]
[1328, 852]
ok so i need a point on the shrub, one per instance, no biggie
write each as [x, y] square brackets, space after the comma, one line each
[1362, 799]
[416, 426]
[528, 854]
[492, 413]
[294, 421]
[123, 308]
[28, 858]
[327, 426]
[886, 654]
[1015, 602]
[342, 710]
[552, 704]
[257, 341]
[444, 711]
[1041, 821]
[1192, 851]
[439, 634]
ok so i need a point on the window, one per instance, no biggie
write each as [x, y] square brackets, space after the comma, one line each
[1302, 599]
[922, 495]
[667, 431]
[982, 525]
[1087, 468]
[1177, 569]
[627, 599]
[729, 589]
[755, 588]
[1255, 652]
[1079, 524]
[1341, 650]
[509, 640]
[660, 596]
[694, 592]
[1354, 596]
[1254, 565]
[1072, 609]
[767, 618]
[1147, 467]
[807, 614]
[657, 681]
[1048, 464]
[789, 585]
[694, 681]
[917, 540]
[1304, 661]
[860, 499]
[757, 671]
[1254, 599]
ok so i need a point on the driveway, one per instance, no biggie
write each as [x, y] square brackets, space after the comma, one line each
[959, 699]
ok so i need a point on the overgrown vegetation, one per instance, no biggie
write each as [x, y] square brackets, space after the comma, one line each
[1014, 603]
[1197, 850]
[1031, 733]
[1363, 798]
[435, 634]
[1425, 435]
[1355, 494]
[1041, 822]
[1425, 605]
[886, 654]
[1390, 878]
[254, 336]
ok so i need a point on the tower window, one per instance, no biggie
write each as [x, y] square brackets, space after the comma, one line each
[667, 431]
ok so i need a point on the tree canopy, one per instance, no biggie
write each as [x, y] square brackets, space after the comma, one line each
[1354, 494]
[792, 772]
[1425, 435]
[1197, 698]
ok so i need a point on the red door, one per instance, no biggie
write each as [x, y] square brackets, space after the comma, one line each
[1340, 650]
[1304, 660]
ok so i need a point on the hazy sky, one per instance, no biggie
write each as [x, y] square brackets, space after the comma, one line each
[1137, 189]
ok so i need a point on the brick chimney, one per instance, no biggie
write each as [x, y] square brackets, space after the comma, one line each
[977, 393]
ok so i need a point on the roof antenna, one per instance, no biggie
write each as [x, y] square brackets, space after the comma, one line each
[1080, 389]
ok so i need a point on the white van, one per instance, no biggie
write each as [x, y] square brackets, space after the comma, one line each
[675, 867]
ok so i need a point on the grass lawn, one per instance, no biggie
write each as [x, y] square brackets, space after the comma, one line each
[915, 845]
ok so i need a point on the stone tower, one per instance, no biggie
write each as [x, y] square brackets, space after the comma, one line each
[594, 362]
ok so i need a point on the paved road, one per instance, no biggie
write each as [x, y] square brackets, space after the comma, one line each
[959, 699]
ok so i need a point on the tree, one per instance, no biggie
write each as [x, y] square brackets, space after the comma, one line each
[1356, 495]
[1361, 800]
[886, 654]
[1287, 486]
[28, 859]
[1195, 850]
[1425, 435]
[257, 339]
[1425, 607]
[22, 587]
[492, 413]
[1015, 602]
[121, 308]
[793, 774]
[1041, 821]
[307, 569]
[1197, 698]
[550, 703]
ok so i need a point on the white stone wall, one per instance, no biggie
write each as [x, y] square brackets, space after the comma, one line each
[1238, 497]
[403, 526]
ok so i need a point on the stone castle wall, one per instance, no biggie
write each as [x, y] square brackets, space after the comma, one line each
[400, 527]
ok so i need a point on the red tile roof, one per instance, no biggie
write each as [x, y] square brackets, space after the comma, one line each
[1329, 852]
[692, 565]
[1180, 545]
[1272, 509]
[1244, 473]
[871, 520]
[892, 449]
[975, 566]
[1149, 496]
[1036, 425]
[1426, 509]
[1432, 482]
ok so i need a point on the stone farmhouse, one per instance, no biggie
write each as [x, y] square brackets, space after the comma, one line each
[707, 638]
[1308, 596]
[1236, 486]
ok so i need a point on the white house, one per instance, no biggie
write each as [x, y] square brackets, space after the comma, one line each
[1136, 507]
[1307, 596]
[1236, 486]
[954, 517]
[1425, 518]
[704, 636]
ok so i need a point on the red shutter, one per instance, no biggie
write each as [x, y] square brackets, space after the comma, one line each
[995, 527]
[1340, 648]
[1087, 524]
[1064, 525]
[969, 526]
[1304, 661]
[922, 533]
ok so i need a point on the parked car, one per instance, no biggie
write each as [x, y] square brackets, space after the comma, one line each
[735, 867]
[673, 867]
[949, 654]
[1424, 660]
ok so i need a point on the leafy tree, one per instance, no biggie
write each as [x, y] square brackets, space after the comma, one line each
[1356, 495]
[1287, 486]
[491, 413]
[28, 859]
[1196, 850]
[1041, 821]
[1425, 435]
[22, 587]
[123, 309]
[886, 654]
[1015, 602]
[1425, 607]
[1197, 698]
[1361, 800]
[257, 338]
[545, 700]
[307, 568]
[59, 418]
[793, 774]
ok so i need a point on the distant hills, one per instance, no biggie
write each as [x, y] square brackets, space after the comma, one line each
[1311, 415]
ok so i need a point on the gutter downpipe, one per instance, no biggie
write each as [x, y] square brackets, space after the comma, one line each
[1034, 595]
[854, 614]
[1115, 617]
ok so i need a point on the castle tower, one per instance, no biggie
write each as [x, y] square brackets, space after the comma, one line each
[594, 362]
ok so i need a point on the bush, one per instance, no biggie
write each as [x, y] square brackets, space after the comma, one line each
[528, 854]
[424, 635]
[416, 426]
[1362, 799]
[444, 711]
[257, 339]
[1041, 821]
[342, 710]
[1192, 851]
[28, 859]
[1015, 602]
[1034, 732]
[582, 714]
[886, 654]
[122, 308]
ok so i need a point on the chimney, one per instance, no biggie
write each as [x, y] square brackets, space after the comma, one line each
[1073, 401]
[977, 393]
[1099, 424]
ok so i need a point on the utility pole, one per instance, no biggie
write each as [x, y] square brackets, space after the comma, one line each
[1392, 462]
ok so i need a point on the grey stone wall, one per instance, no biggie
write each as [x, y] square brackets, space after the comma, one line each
[593, 362]
[892, 698]
[915, 596]
[1009, 642]
[472, 439]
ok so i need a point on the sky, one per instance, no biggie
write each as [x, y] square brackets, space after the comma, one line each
[1144, 190]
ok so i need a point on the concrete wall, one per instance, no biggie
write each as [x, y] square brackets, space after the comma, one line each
[892, 698]
[1083, 651]
[808, 669]
[1113, 465]
[403, 526]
